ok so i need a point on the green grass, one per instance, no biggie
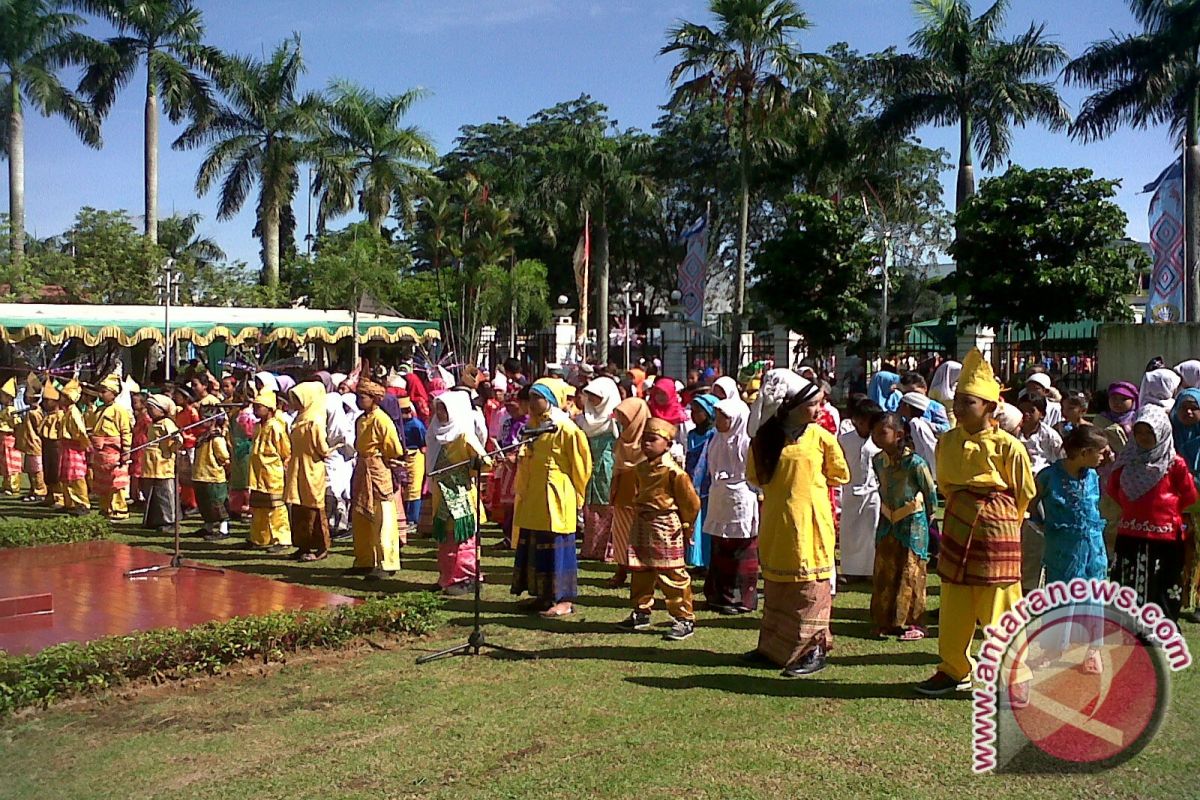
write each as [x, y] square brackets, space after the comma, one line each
[597, 714]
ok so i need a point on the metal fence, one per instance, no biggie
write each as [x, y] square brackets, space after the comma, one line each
[1071, 363]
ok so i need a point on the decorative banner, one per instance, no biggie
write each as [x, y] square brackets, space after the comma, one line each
[1165, 300]
[693, 270]
[582, 263]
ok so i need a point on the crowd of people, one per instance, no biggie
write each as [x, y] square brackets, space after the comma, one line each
[705, 487]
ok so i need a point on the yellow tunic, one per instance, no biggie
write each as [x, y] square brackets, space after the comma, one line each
[459, 450]
[9, 420]
[375, 518]
[212, 455]
[552, 475]
[52, 425]
[158, 460]
[114, 420]
[74, 429]
[796, 534]
[375, 435]
[988, 460]
[305, 481]
[28, 433]
[269, 453]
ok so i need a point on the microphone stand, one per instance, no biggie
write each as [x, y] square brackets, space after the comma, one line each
[176, 563]
[476, 641]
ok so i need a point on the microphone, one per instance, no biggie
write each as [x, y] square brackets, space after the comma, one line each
[533, 433]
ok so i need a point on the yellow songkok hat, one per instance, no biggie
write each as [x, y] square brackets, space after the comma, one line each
[49, 392]
[266, 398]
[660, 427]
[73, 391]
[10, 387]
[112, 383]
[977, 378]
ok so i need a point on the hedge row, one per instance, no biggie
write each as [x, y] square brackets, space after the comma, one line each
[28, 532]
[72, 669]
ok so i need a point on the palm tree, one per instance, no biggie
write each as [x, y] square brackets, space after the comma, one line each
[746, 64]
[179, 240]
[364, 152]
[259, 134]
[1145, 79]
[38, 39]
[164, 36]
[963, 74]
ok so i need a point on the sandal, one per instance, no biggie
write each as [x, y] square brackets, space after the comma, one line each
[308, 557]
[1093, 664]
[913, 634]
[551, 613]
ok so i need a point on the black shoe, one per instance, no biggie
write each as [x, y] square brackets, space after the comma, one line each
[1192, 616]
[681, 629]
[216, 536]
[460, 589]
[79, 512]
[756, 658]
[378, 574]
[357, 571]
[813, 661]
[276, 549]
[637, 621]
[343, 536]
[725, 611]
[941, 685]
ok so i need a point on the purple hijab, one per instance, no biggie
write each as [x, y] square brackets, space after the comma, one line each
[1124, 389]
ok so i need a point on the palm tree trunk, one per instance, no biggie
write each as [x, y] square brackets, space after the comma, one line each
[151, 145]
[1191, 212]
[270, 242]
[739, 296]
[16, 175]
[601, 288]
[966, 167]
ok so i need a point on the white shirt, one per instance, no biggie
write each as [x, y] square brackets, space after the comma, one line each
[1053, 414]
[924, 440]
[1045, 446]
[859, 452]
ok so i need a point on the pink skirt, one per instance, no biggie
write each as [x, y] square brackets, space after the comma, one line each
[456, 562]
[597, 533]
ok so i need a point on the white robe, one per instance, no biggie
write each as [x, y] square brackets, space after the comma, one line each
[860, 506]
[924, 439]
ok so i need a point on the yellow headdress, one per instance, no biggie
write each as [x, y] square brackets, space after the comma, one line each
[977, 378]
[49, 392]
[660, 427]
[10, 387]
[112, 383]
[72, 391]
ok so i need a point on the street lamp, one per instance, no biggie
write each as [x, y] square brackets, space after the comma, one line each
[168, 287]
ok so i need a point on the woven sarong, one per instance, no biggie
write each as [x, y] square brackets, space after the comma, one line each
[795, 620]
[211, 499]
[981, 539]
[109, 475]
[11, 459]
[72, 462]
[732, 578]
[546, 566]
[898, 596]
[33, 465]
[656, 540]
[597, 532]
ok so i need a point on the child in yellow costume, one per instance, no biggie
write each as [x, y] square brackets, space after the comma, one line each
[374, 515]
[158, 479]
[73, 450]
[269, 453]
[11, 457]
[51, 433]
[111, 437]
[985, 475]
[29, 442]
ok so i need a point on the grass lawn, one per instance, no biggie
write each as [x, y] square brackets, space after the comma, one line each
[597, 714]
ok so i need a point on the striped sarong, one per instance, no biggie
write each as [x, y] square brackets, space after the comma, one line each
[981, 539]
[33, 465]
[11, 459]
[656, 540]
[72, 462]
[109, 475]
[795, 619]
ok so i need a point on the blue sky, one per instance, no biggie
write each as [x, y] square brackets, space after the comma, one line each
[480, 59]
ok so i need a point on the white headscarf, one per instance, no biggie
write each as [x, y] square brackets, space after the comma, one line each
[728, 451]
[945, 381]
[339, 431]
[266, 380]
[1158, 389]
[1141, 470]
[1189, 372]
[778, 386]
[597, 420]
[728, 385]
[460, 421]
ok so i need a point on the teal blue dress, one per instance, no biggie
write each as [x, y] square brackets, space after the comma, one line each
[900, 484]
[1073, 525]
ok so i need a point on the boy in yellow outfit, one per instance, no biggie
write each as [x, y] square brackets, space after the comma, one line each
[269, 453]
[29, 442]
[158, 480]
[51, 433]
[374, 513]
[986, 477]
[111, 438]
[210, 480]
[11, 457]
[73, 449]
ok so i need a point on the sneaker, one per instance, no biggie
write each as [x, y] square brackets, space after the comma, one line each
[637, 621]
[461, 589]
[813, 661]
[216, 536]
[1018, 695]
[941, 685]
[681, 629]
[378, 574]
[725, 611]
[1192, 616]
[343, 536]
[276, 549]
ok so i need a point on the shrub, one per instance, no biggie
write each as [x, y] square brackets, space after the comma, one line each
[23, 532]
[72, 669]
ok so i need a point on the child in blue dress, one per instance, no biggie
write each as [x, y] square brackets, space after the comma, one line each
[704, 415]
[1069, 497]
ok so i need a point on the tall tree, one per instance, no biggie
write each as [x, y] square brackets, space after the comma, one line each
[37, 39]
[258, 135]
[964, 74]
[746, 63]
[166, 38]
[1145, 79]
[365, 157]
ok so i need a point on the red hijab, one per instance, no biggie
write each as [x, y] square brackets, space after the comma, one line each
[419, 396]
[664, 401]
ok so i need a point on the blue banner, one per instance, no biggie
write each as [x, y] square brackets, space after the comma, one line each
[1165, 301]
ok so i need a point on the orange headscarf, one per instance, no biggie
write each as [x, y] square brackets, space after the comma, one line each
[638, 376]
[636, 413]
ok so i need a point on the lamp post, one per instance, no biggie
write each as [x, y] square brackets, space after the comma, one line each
[628, 299]
[167, 286]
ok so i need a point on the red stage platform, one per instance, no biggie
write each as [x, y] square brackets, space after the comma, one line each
[91, 597]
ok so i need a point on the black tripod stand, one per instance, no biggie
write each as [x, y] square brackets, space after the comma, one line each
[476, 641]
[176, 563]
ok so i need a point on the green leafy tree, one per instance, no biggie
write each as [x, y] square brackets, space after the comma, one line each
[1043, 246]
[517, 296]
[962, 73]
[108, 261]
[37, 40]
[1150, 78]
[816, 274]
[258, 135]
[165, 37]
[365, 157]
[746, 64]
